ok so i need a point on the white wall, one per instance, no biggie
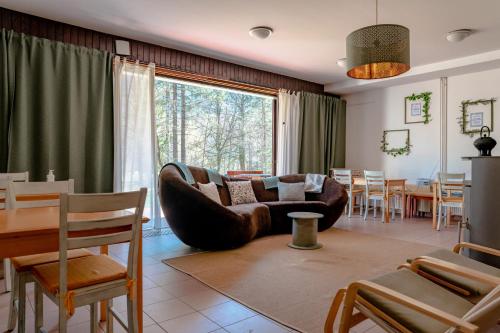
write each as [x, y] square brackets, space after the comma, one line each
[463, 87]
[371, 112]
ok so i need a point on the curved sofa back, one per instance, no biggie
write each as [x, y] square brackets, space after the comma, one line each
[261, 194]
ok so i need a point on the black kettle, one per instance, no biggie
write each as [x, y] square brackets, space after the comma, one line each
[485, 143]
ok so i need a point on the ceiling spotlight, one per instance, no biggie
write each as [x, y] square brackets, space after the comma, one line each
[342, 62]
[458, 35]
[261, 32]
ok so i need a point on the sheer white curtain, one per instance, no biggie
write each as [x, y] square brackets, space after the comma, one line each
[288, 132]
[134, 131]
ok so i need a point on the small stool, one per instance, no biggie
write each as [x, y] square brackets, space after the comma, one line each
[305, 230]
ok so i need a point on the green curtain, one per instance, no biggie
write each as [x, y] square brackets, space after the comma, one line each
[60, 113]
[321, 133]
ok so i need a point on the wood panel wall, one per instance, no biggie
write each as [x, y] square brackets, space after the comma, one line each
[145, 52]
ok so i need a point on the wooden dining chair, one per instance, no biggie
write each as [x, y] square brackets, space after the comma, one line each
[37, 194]
[376, 190]
[344, 177]
[31, 195]
[104, 219]
[450, 195]
[6, 178]
[404, 301]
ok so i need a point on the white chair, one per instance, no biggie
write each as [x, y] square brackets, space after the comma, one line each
[450, 195]
[36, 194]
[26, 195]
[88, 280]
[376, 190]
[344, 177]
[5, 178]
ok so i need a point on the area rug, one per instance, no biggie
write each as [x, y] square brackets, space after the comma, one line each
[296, 287]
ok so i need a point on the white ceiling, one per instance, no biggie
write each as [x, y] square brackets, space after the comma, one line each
[309, 34]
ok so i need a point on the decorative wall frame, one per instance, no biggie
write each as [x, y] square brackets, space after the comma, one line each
[476, 114]
[417, 108]
[396, 142]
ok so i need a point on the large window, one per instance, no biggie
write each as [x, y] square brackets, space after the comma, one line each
[213, 127]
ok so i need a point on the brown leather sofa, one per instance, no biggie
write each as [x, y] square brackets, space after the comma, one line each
[202, 223]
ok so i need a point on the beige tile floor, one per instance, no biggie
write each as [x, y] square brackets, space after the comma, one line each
[177, 303]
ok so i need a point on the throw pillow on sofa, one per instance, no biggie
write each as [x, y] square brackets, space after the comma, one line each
[291, 191]
[210, 190]
[241, 192]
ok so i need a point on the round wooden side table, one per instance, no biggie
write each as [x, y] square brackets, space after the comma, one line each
[305, 231]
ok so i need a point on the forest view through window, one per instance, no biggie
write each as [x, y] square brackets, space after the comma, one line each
[212, 127]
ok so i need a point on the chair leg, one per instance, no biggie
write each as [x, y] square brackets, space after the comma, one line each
[439, 218]
[366, 207]
[393, 208]
[13, 304]
[350, 206]
[382, 210]
[62, 315]
[109, 317]
[361, 200]
[133, 326]
[334, 309]
[21, 315]
[93, 317]
[38, 308]
[7, 274]
[374, 208]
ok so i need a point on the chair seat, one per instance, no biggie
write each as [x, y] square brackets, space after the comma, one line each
[25, 263]
[417, 287]
[82, 272]
[357, 190]
[474, 287]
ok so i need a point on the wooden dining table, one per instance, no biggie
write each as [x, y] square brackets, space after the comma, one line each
[389, 183]
[26, 231]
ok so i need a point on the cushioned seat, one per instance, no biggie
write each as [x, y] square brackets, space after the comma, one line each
[474, 287]
[82, 272]
[25, 263]
[279, 210]
[200, 222]
[419, 288]
[256, 214]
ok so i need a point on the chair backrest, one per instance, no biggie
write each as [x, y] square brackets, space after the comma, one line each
[451, 184]
[485, 313]
[375, 179]
[5, 178]
[36, 194]
[343, 176]
[109, 218]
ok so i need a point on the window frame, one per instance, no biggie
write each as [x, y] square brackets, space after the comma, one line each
[248, 88]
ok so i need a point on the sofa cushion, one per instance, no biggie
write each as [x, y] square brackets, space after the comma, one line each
[210, 190]
[241, 192]
[256, 214]
[291, 191]
[280, 209]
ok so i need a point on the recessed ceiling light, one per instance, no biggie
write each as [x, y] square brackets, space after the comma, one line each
[458, 35]
[261, 32]
[342, 62]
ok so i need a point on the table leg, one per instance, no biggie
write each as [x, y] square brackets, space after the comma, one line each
[139, 285]
[104, 304]
[434, 206]
[403, 202]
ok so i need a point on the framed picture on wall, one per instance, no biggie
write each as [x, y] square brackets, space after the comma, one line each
[476, 114]
[396, 142]
[417, 108]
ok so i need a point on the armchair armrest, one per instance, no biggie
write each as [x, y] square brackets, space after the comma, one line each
[455, 269]
[389, 294]
[476, 247]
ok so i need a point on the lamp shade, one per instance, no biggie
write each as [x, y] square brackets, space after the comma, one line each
[378, 51]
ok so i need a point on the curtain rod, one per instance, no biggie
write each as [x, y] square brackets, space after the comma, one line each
[199, 78]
